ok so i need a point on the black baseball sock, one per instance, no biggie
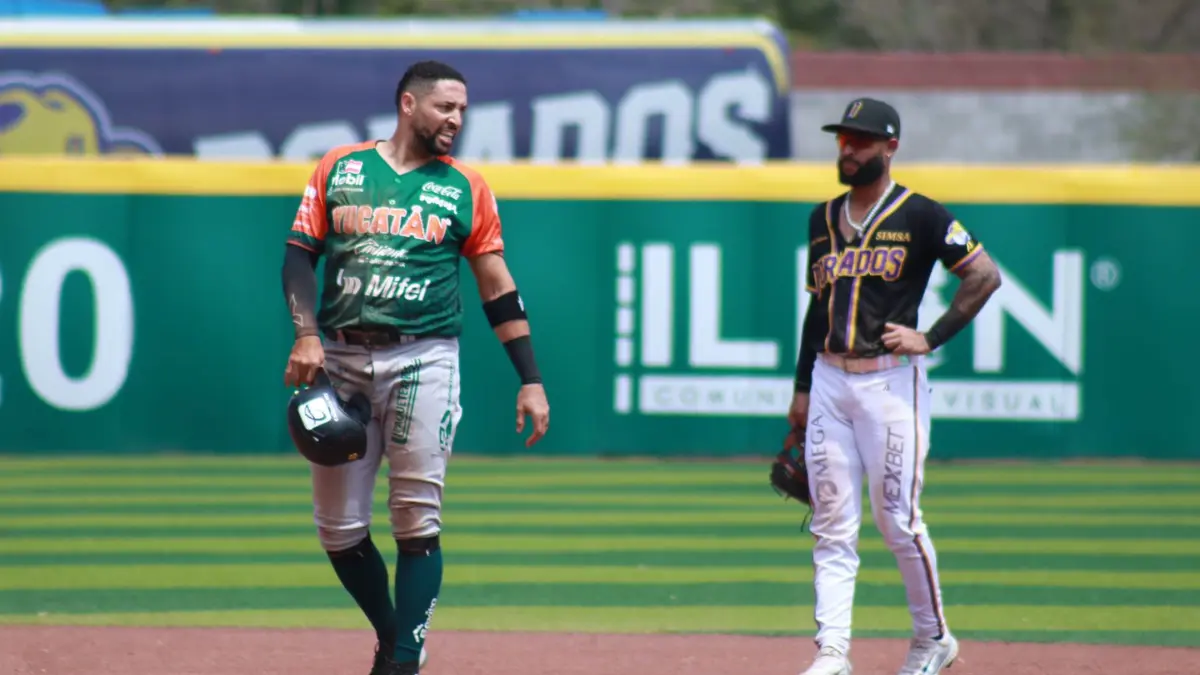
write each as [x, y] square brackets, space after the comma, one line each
[364, 575]
[418, 582]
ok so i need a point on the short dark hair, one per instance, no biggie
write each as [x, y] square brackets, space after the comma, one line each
[426, 72]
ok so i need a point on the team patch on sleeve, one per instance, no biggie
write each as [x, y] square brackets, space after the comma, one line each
[957, 235]
[959, 246]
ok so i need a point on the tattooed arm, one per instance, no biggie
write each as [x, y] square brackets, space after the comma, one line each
[979, 278]
[305, 243]
[960, 252]
[300, 289]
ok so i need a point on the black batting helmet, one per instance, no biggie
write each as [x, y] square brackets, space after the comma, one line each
[326, 429]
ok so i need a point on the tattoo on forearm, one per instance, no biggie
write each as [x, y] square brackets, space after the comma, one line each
[973, 292]
[298, 317]
[300, 290]
[303, 320]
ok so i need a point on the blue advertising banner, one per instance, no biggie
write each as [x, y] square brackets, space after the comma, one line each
[616, 91]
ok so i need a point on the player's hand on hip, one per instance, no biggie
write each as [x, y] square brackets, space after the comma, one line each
[904, 340]
[797, 421]
[531, 401]
[307, 356]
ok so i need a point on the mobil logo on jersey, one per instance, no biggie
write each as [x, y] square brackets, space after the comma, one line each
[713, 328]
[345, 181]
[347, 177]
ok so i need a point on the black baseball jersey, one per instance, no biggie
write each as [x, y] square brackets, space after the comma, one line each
[858, 286]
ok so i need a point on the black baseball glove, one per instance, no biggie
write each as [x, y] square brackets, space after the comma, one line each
[789, 474]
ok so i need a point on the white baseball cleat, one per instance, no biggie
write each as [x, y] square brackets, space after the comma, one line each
[927, 656]
[830, 661]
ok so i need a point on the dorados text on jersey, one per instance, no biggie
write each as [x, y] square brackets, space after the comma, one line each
[876, 261]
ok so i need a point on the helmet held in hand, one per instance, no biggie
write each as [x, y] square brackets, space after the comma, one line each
[326, 429]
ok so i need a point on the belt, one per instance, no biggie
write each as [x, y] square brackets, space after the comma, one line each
[375, 336]
[867, 364]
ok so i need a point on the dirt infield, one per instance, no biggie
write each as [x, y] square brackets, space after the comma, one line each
[41, 650]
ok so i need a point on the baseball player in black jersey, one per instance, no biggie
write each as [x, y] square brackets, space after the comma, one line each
[871, 251]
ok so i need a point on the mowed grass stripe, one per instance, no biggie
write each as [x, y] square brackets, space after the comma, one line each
[300, 506]
[453, 518]
[765, 594]
[799, 560]
[517, 468]
[177, 576]
[1148, 498]
[199, 503]
[562, 543]
[303, 527]
[603, 476]
[1168, 501]
[752, 491]
[731, 619]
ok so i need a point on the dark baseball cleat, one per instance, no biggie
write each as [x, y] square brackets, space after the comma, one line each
[384, 664]
[383, 660]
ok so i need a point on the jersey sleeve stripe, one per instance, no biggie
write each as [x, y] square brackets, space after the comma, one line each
[966, 259]
[300, 244]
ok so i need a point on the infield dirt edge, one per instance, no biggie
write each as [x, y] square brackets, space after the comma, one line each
[88, 650]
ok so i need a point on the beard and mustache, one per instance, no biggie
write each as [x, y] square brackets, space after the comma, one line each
[866, 172]
[430, 143]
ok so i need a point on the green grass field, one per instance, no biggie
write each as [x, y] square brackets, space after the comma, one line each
[1044, 552]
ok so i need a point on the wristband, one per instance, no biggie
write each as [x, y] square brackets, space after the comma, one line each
[520, 352]
[933, 339]
[947, 326]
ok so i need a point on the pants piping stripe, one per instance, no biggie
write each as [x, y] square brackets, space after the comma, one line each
[912, 518]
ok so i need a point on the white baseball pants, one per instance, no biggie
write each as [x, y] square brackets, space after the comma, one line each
[874, 425]
[414, 391]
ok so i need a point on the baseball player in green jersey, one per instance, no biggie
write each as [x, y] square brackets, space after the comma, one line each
[393, 218]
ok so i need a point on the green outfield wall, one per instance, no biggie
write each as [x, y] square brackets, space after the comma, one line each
[141, 308]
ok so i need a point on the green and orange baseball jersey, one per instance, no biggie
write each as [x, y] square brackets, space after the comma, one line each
[393, 242]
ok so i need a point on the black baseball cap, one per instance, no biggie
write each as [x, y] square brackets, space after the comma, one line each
[868, 116]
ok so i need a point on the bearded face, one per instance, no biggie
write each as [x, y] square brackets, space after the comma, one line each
[437, 115]
[861, 158]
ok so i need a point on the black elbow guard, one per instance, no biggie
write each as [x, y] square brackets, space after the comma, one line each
[507, 307]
